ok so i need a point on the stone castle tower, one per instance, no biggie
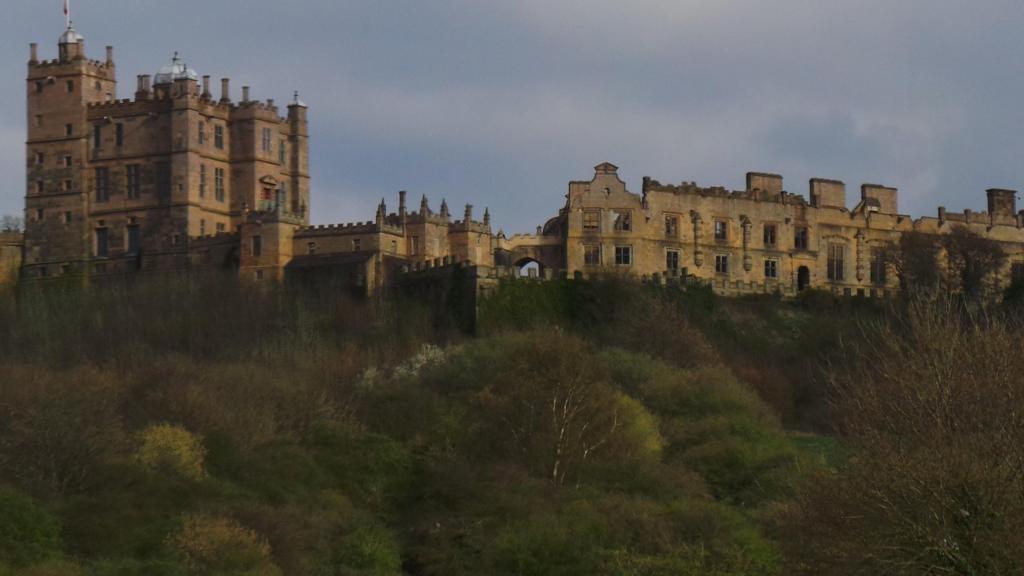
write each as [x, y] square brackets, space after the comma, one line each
[115, 185]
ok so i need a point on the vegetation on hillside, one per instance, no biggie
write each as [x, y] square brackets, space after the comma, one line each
[202, 426]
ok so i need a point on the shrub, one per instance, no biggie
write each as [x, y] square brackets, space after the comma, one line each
[170, 448]
[208, 545]
[28, 534]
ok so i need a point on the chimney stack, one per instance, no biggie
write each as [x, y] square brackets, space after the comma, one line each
[245, 94]
[110, 55]
[225, 90]
[33, 49]
[206, 86]
[270, 102]
[469, 213]
[401, 203]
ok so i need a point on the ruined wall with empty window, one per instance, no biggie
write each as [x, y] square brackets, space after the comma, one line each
[761, 239]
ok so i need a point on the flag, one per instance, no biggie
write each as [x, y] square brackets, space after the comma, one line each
[66, 11]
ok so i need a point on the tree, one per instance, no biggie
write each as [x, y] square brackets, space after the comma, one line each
[56, 428]
[28, 534]
[975, 261]
[553, 408]
[170, 448]
[930, 410]
[209, 545]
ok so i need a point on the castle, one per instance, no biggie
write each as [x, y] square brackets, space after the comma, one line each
[176, 179]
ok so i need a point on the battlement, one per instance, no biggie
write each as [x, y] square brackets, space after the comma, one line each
[651, 185]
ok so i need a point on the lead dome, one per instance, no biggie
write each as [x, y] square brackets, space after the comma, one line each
[175, 70]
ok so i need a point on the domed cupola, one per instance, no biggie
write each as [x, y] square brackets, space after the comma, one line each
[71, 36]
[176, 70]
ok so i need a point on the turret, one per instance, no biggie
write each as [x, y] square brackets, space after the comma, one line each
[444, 209]
[424, 207]
[487, 216]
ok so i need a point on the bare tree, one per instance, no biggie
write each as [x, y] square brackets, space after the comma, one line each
[931, 410]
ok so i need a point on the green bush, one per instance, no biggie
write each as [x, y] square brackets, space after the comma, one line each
[28, 534]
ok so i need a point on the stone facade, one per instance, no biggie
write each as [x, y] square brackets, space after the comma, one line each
[176, 179]
[10, 256]
[758, 240]
[115, 185]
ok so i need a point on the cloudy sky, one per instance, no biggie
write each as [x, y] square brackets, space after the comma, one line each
[501, 102]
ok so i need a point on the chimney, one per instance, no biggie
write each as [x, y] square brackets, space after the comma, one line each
[139, 84]
[33, 50]
[225, 90]
[270, 102]
[942, 215]
[245, 94]
[469, 213]
[401, 203]
[206, 86]
[110, 55]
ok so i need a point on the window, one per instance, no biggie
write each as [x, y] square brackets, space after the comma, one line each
[311, 248]
[259, 275]
[218, 137]
[67, 217]
[770, 231]
[118, 135]
[97, 137]
[102, 184]
[671, 226]
[40, 158]
[175, 239]
[267, 135]
[357, 244]
[415, 246]
[592, 255]
[220, 227]
[38, 120]
[40, 187]
[721, 230]
[68, 185]
[70, 86]
[592, 220]
[69, 129]
[133, 239]
[771, 269]
[39, 87]
[800, 238]
[218, 184]
[65, 161]
[836, 262]
[202, 132]
[202, 180]
[721, 263]
[133, 183]
[1017, 272]
[43, 272]
[878, 267]
[623, 255]
[281, 152]
[202, 227]
[257, 246]
[39, 214]
[623, 221]
[672, 260]
[102, 247]
[163, 180]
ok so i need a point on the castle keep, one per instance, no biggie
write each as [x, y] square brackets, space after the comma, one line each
[176, 179]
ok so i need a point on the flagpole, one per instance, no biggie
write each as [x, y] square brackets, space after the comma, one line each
[67, 13]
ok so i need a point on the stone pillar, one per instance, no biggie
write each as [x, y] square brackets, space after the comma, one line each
[698, 237]
[748, 262]
[861, 249]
